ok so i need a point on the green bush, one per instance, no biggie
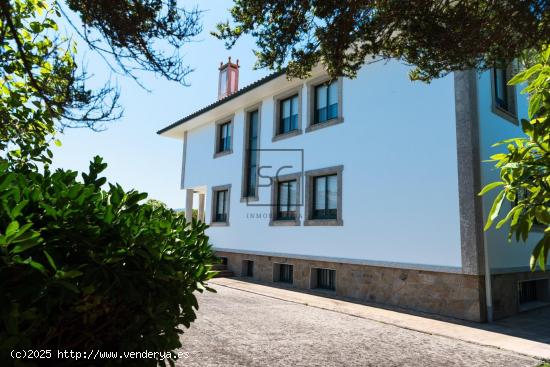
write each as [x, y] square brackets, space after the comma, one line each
[83, 268]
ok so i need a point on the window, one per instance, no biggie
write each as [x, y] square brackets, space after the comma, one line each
[289, 115]
[535, 292]
[223, 143]
[324, 196]
[287, 200]
[504, 94]
[250, 182]
[325, 278]
[248, 268]
[283, 273]
[287, 118]
[324, 199]
[326, 102]
[220, 205]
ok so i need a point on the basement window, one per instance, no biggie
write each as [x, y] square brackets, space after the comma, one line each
[283, 273]
[533, 293]
[248, 268]
[323, 279]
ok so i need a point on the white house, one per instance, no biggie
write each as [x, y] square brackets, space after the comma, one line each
[364, 188]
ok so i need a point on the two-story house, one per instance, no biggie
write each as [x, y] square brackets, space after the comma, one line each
[364, 188]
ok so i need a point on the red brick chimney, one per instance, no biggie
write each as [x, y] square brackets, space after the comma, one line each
[229, 78]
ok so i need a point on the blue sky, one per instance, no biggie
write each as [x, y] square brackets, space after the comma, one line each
[138, 158]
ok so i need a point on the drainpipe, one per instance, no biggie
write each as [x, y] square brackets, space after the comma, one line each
[488, 287]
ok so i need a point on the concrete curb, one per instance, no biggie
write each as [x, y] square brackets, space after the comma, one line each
[468, 332]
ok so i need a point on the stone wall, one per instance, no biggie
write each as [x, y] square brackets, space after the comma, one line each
[448, 294]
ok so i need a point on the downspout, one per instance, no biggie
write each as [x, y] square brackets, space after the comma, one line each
[488, 287]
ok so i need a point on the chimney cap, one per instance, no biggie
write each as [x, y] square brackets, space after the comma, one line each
[229, 63]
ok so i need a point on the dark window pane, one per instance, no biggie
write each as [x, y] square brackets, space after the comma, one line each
[502, 92]
[332, 112]
[251, 160]
[325, 197]
[326, 102]
[321, 96]
[221, 198]
[320, 189]
[285, 125]
[224, 142]
[321, 115]
[326, 279]
[332, 98]
[287, 200]
[294, 107]
[285, 273]
[289, 115]
[251, 192]
[293, 122]
[286, 106]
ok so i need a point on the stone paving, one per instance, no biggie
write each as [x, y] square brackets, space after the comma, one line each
[241, 328]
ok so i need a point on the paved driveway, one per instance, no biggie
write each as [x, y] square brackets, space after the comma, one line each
[239, 328]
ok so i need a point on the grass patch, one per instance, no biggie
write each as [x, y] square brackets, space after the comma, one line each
[545, 365]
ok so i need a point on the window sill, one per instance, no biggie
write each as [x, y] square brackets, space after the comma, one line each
[221, 154]
[505, 114]
[320, 125]
[284, 284]
[323, 222]
[325, 291]
[249, 199]
[289, 134]
[219, 224]
[283, 223]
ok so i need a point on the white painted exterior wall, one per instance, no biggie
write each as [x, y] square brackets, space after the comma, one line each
[400, 187]
[504, 256]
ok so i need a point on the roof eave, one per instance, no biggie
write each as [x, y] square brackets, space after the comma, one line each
[220, 102]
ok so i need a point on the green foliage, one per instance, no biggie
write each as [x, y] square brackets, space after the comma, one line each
[130, 32]
[525, 168]
[35, 72]
[435, 36]
[82, 268]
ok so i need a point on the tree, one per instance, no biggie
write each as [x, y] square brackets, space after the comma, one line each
[83, 263]
[38, 79]
[85, 268]
[436, 36]
[525, 167]
[130, 35]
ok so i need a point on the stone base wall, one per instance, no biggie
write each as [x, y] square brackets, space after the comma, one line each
[448, 294]
[506, 295]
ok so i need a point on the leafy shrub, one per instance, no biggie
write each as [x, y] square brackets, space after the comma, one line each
[525, 166]
[83, 268]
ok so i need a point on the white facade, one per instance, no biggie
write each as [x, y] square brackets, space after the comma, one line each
[398, 148]
[397, 144]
